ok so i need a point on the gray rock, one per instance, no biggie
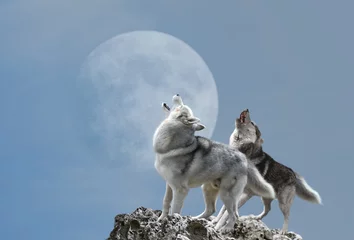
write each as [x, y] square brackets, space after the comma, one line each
[142, 225]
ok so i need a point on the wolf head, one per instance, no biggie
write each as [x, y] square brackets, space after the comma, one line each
[246, 130]
[182, 113]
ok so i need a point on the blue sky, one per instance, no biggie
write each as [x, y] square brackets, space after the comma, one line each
[289, 62]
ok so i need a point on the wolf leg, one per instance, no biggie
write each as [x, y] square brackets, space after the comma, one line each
[285, 198]
[179, 194]
[219, 216]
[231, 200]
[266, 208]
[166, 202]
[244, 198]
[223, 217]
[210, 194]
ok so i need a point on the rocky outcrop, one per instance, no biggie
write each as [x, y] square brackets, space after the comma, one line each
[142, 224]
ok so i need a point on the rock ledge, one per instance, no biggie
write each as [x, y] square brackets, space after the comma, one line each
[142, 225]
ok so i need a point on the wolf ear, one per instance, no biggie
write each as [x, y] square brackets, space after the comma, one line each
[198, 126]
[165, 107]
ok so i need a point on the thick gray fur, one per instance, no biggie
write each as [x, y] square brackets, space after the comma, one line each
[247, 138]
[186, 161]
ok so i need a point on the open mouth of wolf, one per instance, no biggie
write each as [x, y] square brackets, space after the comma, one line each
[243, 116]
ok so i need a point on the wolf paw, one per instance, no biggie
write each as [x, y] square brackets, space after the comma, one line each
[251, 216]
[215, 221]
[162, 217]
[258, 217]
[283, 232]
[226, 229]
[280, 237]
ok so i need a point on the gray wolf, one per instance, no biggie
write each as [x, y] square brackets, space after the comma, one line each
[247, 138]
[187, 161]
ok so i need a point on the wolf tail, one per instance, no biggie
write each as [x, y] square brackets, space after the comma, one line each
[257, 183]
[304, 191]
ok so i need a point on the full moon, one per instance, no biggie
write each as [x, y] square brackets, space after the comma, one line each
[131, 75]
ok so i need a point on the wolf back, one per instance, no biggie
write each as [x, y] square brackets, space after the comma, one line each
[272, 171]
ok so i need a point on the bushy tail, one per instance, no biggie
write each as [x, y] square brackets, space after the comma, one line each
[304, 191]
[257, 183]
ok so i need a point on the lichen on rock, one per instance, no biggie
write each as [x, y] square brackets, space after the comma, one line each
[142, 224]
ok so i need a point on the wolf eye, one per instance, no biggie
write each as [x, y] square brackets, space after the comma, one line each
[182, 115]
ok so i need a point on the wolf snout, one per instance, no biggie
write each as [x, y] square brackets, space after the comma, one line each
[177, 99]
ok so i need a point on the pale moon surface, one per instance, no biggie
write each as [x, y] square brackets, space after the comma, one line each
[132, 74]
